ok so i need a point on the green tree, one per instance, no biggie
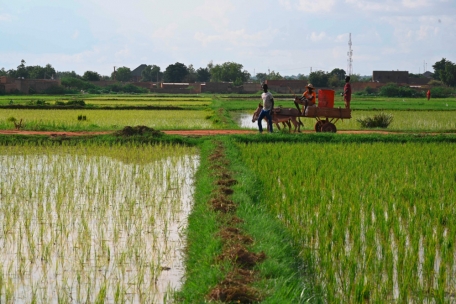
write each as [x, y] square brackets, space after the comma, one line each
[450, 74]
[91, 76]
[122, 74]
[229, 71]
[439, 67]
[22, 70]
[334, 81]
[445, 71]
[151, 73]
[191, 76]
[340, 73]
[359, 78]
[274, 76]
[319, 79]
[64, 74]
[302, 77]
[261, 77]
[38, 72]
[175, 72]
[3, 72]
[203, 75]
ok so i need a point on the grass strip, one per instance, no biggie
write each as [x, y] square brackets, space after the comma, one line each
[280, 278]
[344, 138]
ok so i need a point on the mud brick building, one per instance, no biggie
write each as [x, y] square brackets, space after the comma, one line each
[26, 86]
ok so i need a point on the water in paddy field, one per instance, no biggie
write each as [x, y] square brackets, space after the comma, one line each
[82, 228]
[244, 120]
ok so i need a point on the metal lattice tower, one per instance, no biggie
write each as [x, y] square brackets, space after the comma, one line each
[350, 56]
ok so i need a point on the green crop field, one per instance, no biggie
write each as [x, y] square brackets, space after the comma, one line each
[420, 121]
[67, 120]
[376, 220]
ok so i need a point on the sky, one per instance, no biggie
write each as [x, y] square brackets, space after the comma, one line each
[286, 36]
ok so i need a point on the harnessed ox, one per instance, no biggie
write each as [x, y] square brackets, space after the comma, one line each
[281, 115]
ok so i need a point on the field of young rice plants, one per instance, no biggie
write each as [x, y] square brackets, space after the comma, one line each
[378, 221]
[93, 224]
[421, 121]
[66, 120]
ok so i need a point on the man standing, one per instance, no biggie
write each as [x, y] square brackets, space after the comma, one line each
[268, 105]
[347, 92]
[428, 94]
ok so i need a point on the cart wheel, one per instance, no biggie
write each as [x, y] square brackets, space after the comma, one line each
[319, 124]
[329, 127]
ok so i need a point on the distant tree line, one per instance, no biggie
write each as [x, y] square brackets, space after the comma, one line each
[444, 74]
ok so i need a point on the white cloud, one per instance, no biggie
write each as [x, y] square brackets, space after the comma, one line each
[75, 34]
[238, 38]
[5, 17]
[166, 33]
[315, 5]
[215, 12]
[416, 3]
[317, 37]
[286, 4]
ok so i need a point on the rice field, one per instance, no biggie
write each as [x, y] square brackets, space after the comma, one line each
[112, 100]
[402, 120]
[377, 221]
[65, 120]
[93, 224]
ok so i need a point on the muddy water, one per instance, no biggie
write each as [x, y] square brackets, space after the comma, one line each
[79, 228]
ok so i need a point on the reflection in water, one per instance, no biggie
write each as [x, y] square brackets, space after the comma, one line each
[92, 229]
[244, 120]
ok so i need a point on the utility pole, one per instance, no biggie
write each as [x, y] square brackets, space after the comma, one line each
[114, 73]
[350, 56]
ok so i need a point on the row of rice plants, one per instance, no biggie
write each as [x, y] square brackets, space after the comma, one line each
[377, 220]
[66, 120]
[402, 120]
[91, 224]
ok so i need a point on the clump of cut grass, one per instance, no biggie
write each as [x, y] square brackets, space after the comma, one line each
[381, 120]
[138, 130]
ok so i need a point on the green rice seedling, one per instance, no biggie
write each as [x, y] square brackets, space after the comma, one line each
[368, 215]
[81, 217]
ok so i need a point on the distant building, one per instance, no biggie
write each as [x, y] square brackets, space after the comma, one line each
[136, 73]
[390, 76]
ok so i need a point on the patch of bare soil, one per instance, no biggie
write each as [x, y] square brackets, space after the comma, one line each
[237, 285]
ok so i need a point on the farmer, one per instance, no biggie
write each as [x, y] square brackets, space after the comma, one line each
[428, 94]
[308, 99]
[268, 105]
[347, 92]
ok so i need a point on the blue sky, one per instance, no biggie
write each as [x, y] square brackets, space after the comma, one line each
[285, 36]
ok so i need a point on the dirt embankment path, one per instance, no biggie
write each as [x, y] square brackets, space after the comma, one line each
[189, 132]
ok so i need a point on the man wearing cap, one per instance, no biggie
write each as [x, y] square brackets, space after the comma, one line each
[308, 98]
[347, 92]
[268, 105]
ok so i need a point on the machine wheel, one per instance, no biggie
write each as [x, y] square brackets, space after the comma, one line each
[319, 124]
[329, 127]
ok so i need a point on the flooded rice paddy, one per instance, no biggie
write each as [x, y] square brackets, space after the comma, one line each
[79, 226]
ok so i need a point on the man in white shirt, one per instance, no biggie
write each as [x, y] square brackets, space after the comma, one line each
[268, 105]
